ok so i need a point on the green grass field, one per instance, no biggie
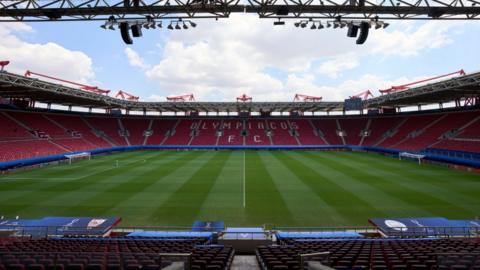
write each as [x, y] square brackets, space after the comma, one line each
[285, 188]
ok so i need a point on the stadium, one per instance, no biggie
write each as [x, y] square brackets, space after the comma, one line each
[384, 181]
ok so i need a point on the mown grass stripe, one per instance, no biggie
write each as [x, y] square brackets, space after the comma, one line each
[361, 186]
[264, 203]
[143, 177]
[436, 178]
[225, 199]
[346, 203]
[185, 204]
[402, 189]
[17, 205]
[307, 208]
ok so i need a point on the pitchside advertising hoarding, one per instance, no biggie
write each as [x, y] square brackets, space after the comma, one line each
[60, 225]
[433, 226]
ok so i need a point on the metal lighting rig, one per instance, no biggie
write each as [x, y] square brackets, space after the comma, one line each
[132, 15]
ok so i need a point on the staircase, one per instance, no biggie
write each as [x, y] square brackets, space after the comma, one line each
[150, 124]
[396, 128]
[95, 131]
[340, 128]
[366, 128]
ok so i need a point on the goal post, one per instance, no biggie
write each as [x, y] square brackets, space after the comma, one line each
[78, 156]
[406, 155]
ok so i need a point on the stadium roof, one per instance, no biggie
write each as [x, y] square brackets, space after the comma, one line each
[18, 86]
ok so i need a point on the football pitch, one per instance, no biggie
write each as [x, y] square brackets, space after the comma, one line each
[242, 188]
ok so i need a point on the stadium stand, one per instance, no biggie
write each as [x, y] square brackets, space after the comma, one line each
[207, 132]
[110, 253]
[256, 132]
[378, 254]
[111, 128]
[159, 129]
[232, 132]
[307, 135]
[283, 132]
[136, 129]
[36, 134]
[181, 133]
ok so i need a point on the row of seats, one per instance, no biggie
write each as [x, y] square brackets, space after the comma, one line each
[32, 134]
[112, 254]
[389, 254]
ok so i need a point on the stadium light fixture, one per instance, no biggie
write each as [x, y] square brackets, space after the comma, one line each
[185, 26]
[192, 24]
[313, 26]
[296, 24]
[320, 25]
[159, 24]
[170, 26]
[178, 27]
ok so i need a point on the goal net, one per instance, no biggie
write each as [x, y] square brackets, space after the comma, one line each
[412, 156]
[78, 156]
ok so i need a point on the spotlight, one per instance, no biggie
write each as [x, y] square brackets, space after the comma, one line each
[111, 27]
[320, 25]
[192, 24]
[378, 25]
[303, 24]
[335, 25]
[185, 26]
[313, 26]
[342, 24]
[385, 25]
[170, 26]
[297, 24]
[104, 26]
[159, 24]
[329, 25]
[177, 27]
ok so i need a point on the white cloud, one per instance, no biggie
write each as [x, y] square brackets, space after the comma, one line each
[134, 59]
[219, 60]
[334, 67]
[49, 58]
[411, 41]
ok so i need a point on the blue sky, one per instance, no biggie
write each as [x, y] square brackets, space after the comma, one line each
[218, 61]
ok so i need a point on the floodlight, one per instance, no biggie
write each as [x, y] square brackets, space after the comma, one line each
[297, 24]
[385, 25]
[192, 24]
[320, 25]
[159, 24]
[178, 27]
[313, 26]
[329, 25]
[185, 26]
[170, 26]
[111, 27]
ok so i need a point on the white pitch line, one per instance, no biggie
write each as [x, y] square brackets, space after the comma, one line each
[244, 190]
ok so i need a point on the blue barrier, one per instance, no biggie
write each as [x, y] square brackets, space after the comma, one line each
[430, 155]
[318, 235]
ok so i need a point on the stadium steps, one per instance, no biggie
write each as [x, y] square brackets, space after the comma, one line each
[150, 125]
[420, 131]
[241, 262]
[172, 133]
[316, 132]
[244, 137]
[461, 129]
[396, 128]
[60, 146]
[340, 128]
[367, 127]
[55, 123]
[122, 127]
[18, 122]
[93, 129]
[296, 137]
[195, 131]
[269, 137]
[218, 137]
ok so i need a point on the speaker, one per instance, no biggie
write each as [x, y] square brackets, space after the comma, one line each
[364, 28]
[136, 30]
[352, 31]
[125, 31]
